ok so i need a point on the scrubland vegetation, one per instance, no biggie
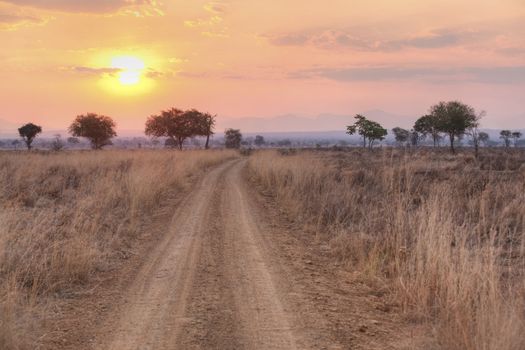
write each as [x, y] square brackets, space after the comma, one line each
[66, 216]
[445, 234]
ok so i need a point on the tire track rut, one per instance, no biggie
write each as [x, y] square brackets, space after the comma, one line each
[209, 284]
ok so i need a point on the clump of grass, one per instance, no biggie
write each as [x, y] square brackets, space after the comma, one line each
[447, 233]
[64, 217]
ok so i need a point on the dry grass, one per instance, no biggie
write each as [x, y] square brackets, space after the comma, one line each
[445, 233]
[66, 216]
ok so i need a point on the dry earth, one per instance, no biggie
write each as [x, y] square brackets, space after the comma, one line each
[228, 271]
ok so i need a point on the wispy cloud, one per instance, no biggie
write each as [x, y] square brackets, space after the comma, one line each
[12, 17]
[146, 7]
[215, 7]
[346, 39]
[489, 75]
[207, 22]
[108, 71]
[92, 70]
[212, 25]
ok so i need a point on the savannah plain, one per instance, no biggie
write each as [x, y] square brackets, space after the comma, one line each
[388, 248]
[262, 175]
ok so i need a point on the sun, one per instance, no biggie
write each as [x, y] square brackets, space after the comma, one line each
[125, 74]
[129, 68]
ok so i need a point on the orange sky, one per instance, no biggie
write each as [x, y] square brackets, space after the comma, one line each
[248, 58]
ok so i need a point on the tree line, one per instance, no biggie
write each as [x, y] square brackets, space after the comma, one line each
[175, 124]
[452, 119]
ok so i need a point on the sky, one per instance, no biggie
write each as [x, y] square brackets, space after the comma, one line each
[129, 59]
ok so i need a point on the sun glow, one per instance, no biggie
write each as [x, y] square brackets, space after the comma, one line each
[127, 75]
[130, 69]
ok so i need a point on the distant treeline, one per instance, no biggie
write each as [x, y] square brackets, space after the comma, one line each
[453, 122]
[446, 120]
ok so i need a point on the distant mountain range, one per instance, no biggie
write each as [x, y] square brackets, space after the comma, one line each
[320, 123]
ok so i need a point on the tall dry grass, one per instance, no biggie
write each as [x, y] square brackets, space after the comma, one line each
[446, 233]
[66, 216]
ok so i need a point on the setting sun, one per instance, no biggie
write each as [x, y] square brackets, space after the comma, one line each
[125, 75]
[130, 69]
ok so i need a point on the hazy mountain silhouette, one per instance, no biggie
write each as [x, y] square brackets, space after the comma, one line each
[320, 123]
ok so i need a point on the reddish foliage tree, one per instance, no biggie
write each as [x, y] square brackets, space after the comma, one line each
[178, 125]
[173, 123]
[98, 129]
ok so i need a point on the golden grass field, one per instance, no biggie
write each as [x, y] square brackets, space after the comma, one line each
[66, 216]
[445, 234]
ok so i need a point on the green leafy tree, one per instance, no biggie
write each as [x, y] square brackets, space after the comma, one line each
[369, 130]
[98, 129]
[506, 136]
[401, 135]
[232, 138]
[427, 125]
[453, 118]
[28, 133]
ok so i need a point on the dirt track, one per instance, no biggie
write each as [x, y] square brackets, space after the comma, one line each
[226, 275]
[208, 284]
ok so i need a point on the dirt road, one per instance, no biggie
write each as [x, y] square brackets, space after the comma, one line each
[226, 276]
[209, 284]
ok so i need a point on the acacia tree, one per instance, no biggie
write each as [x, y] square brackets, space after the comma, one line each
[232, 138]
[453, 118]
[401, 135]
[516, 135]
[57, 144]
[204, 125]
[73, 140]
[370, 131]
[28, 133]
[484, 138]
[427, 125]
[175, 124]
[98, 129]
[259, 140]
[415, 137]
[506, 135]
[474, 133]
